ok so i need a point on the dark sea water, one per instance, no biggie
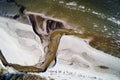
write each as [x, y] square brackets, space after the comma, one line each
[99, 19]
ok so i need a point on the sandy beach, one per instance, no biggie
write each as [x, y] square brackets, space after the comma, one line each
[76, 59]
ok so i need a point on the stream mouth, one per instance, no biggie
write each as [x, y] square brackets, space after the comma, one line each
[46, 25]
[97, 19]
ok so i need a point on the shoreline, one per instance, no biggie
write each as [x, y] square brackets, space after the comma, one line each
[77, 54]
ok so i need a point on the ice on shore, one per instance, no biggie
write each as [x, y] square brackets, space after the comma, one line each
[76, 59]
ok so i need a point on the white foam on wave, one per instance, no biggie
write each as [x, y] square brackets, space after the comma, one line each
[71, 4]
[74, 6]
[61, 2]
[81, 6]
[114, 20]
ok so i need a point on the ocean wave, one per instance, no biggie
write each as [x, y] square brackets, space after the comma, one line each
[71, 4]
[113, 19]
[82, 8]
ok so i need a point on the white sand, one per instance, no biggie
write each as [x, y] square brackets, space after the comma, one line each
[76, 59]
[18, 43]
